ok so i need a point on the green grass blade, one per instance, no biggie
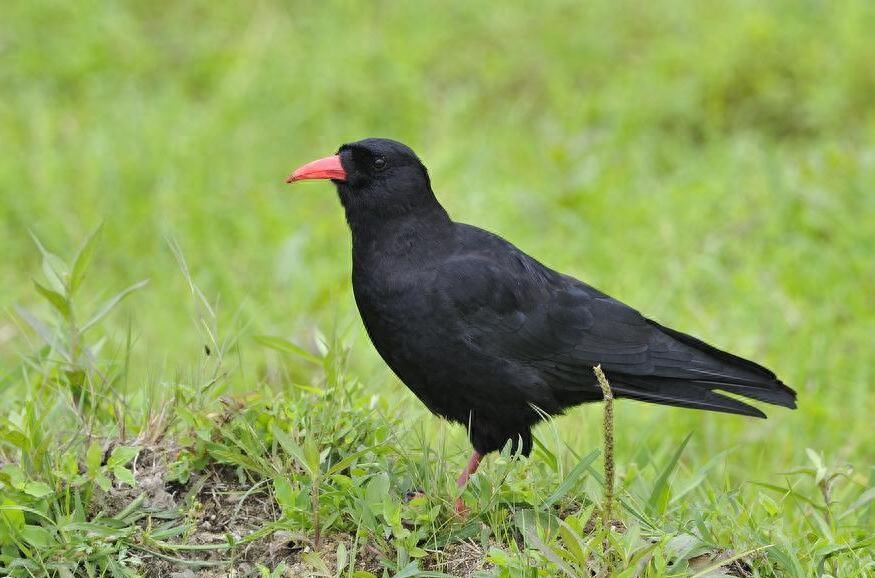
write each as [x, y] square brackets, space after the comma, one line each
[661, 487]
[573, 477]
[286, 346]
[111, 303]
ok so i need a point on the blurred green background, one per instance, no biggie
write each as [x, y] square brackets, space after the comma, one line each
[711, 164]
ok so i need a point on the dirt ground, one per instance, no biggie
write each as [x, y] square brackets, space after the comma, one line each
[214, 505]
[215, 508]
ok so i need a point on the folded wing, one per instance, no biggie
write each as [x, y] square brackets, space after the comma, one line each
[520, 310]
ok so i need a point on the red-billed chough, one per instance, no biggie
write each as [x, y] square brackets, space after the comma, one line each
[487, 336]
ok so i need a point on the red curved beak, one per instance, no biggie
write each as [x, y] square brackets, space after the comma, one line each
[327, 168]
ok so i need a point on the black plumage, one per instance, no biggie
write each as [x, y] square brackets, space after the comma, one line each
[487, 336]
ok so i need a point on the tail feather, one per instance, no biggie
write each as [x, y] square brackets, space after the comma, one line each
[775, 393]
[725, 356]
[681, 394]
[690, 372]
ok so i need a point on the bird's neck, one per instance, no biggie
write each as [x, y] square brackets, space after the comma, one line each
[418, 234]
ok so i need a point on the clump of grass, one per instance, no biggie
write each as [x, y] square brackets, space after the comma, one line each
[67, 444]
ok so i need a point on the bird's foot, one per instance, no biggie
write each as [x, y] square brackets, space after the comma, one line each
[413, 494]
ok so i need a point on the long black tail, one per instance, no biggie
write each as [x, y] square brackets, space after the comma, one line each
[694, 385]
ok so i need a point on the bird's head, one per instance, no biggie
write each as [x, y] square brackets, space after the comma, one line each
[375, 177]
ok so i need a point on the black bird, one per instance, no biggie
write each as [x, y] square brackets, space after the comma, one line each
[487, 336]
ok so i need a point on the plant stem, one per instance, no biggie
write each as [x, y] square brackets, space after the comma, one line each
[607, 508]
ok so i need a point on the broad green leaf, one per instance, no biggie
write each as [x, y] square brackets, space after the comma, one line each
[311, 453]
[38, 489]
[819, 467]
[58, 301]
[124, 475]
[319, 565]
[15, 438]
[10, 515]
[408, 571]
[284, 494]
[577, 546]
[292, 448]
[12, 475]
[104, 482]
[121, 455]
[341, 556]
[348, 460]
[36, 536]
[377, 488]
[10, 506]
[685, 546]
[529, 520]
[93, 458]
[54, 268]
[83, 258]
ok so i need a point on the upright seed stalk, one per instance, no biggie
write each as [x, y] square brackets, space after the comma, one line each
[608, 427]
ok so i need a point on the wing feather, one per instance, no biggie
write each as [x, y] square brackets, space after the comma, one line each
[511, 306]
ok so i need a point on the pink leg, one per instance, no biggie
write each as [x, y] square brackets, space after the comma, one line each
[469, 470]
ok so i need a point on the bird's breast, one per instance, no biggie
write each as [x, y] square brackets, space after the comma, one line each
[389, 301]
[432, 352]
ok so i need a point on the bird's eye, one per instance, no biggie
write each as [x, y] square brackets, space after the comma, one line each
[379, 163]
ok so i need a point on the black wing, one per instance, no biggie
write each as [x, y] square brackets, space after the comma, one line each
[511, 306]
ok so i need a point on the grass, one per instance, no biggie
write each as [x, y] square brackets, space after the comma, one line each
[710, 164]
